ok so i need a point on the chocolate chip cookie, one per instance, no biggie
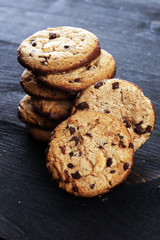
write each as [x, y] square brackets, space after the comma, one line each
[58, 110]
[90, 153]
[74, 81]
[33, 87]
[58, 49]
[27, 115]
[124, 100]
[39, 134]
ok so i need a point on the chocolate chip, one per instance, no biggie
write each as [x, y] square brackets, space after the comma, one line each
[98, 85]
[70, 165]
[115, 85]
[127, 123]
[70, 82]
[109, 162]
[138, 128]
[126, 166]
[131, 145]
[112, 171]
[66, 46]
[80, 153]
[83, 105]
[92, 185]
[71, 154]
[121, 137]
[106, 111]
[100, 147]
[121, 144]
[74, 139]
[34, 43]
[76, 175]
[77, 80]
[72, 130]
[89, 134]
[66, 176]
[75, 188]
[63, 149]
[113, 144]
[52, 35]
[88, 67]
[148, 129]
[110, 183]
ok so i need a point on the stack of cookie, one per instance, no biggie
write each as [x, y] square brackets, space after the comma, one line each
[91, 151]
[60, 62]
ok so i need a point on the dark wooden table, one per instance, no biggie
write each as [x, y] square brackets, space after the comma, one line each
[31, 204]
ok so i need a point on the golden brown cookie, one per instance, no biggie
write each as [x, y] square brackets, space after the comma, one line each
[39, 134]
[74, 81]
[90, 153]
[123, 100]
[27, 115]
[58, 49]
[36, 88]
[58, 110]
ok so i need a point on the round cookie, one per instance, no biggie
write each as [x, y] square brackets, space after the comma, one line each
[39, 134]
[35, 88]
[123, 100]
[59, 109]
[27, 115]
[90, 153]
[74, 81]
[58, 49]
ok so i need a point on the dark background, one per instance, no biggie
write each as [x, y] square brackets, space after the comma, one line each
[31, 204]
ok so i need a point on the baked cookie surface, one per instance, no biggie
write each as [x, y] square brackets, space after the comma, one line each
[27, 115]
[36, 88]
[58, 49]
[39, 134]
[90, 153]
[74, 81]
[123, 100]
[59, 109]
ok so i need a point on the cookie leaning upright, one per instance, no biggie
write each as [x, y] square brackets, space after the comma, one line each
[90, 153]
[58, 49]
[123, 100]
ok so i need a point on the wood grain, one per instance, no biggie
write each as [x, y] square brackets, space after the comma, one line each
[31, 204]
